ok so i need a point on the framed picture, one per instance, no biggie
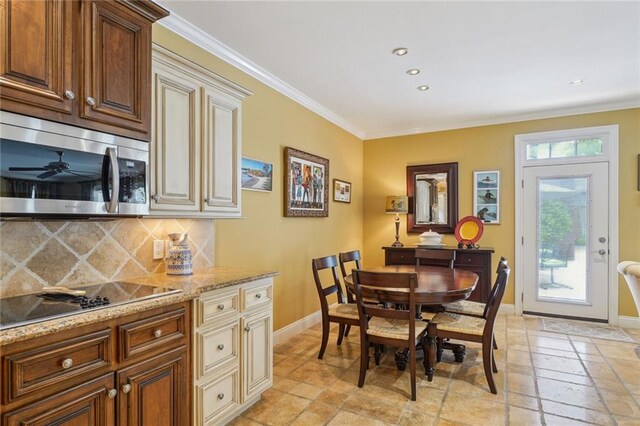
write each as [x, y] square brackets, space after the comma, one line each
[486, 196]
[341, 191]
[306, 184]
[256, 175]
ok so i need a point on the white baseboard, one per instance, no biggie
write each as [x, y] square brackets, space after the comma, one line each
[507, 309]
[296, 327]
[628, 322]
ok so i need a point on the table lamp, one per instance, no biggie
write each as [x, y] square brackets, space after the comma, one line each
[397, 204]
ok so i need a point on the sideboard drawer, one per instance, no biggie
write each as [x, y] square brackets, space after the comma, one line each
[216, 346]
[211, 307]
[259, 295]
[42, 367]
[404, 257]
[148, 335]
[469, 259]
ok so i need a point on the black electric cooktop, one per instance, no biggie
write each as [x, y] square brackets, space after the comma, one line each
[31, 308]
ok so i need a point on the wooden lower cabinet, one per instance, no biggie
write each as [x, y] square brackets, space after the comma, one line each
[77, 377]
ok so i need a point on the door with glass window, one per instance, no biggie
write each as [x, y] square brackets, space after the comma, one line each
[565, 240]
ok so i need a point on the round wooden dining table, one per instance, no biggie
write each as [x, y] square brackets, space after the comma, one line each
[436, 286]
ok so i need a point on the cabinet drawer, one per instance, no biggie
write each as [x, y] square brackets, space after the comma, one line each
[40, 368]
[216, 346]
[259, 295]
[400, 257]
[217, 398]
[148, 335]
[211, 307]
[469, 259]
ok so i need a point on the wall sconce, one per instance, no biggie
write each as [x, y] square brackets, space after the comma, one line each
[397, 204]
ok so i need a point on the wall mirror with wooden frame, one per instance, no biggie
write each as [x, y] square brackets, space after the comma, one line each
[433, 198]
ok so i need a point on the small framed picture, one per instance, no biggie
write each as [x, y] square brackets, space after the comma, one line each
[486, 196]
[341, 191]
[256, 175]
[306, 184]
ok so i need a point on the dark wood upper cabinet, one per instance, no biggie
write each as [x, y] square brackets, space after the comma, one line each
[36, 56]
[89, 62]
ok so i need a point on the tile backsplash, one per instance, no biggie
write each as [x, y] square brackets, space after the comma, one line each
[73, 253]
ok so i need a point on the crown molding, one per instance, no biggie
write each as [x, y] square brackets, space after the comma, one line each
[560, 112]
[200, 38]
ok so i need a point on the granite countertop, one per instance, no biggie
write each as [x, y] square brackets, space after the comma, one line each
[202, 280]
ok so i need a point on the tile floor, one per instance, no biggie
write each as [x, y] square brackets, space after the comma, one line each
[545, 379]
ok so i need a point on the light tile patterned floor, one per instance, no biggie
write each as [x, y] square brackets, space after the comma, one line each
[545, 379]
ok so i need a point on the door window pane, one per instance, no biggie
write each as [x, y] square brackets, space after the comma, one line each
[562, 239]
[537, 151]
[563, 149]
[590, 146]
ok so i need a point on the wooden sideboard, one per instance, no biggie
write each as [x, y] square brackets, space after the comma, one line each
[474, 260]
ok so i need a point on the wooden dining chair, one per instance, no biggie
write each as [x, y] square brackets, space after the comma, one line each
[440, 256]
[342, 313]
[344, 259]
[474, 329]
[387, 326]
[476, 309]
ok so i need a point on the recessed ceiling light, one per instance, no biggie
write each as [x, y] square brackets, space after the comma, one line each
[577, 82]
[423, 88]
[400, 51]
[413, 71]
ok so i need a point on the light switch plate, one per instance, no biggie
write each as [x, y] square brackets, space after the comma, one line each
[158, 249]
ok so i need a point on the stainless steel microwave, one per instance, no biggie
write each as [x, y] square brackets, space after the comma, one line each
[52, 169]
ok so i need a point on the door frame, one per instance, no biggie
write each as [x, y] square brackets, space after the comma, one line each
[610, 155]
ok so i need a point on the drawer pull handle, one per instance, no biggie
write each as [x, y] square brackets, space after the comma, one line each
[157, 333]
[90, 101]
[69, 94]
[67, 363]
[154, 197]
[126, 388]
[112, 393]
[247, 328]
[221, 307]
[258, 295]
[220, 346]
[220, 396]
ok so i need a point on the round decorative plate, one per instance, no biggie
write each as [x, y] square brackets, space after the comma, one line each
[469, 230]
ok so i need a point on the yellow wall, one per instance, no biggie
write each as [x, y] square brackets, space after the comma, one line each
[264, 238]
[491, 148]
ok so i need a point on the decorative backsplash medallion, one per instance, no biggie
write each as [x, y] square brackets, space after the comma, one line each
[74, 253]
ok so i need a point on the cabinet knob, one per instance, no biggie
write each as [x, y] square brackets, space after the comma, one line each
[220, 346]
[90, 101]
[221, 307]
[247, 328]
[69, 94]
[126, 388]
[154, 197]
[220, 396]
[112, 393]
[157, 333]
[258, 295]
[206, 200]
[67, 363]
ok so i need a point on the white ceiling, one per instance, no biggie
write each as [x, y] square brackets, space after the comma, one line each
[485, 62]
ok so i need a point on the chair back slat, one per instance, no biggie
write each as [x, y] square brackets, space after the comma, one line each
[350, 256]
[319, 264]
[494, 304]
[502, 264]
[448, 256]
[375, 285]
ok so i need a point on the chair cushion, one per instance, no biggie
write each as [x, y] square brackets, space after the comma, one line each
[344, 310]
[457, 323]
[394, 328]
[465, 307]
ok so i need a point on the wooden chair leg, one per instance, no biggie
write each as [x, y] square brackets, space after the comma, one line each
[348, 329]
[412, 369]
[377, 353]
[439, 350]
[340, 333]
[495, 345]
[325, 337]
[494, 367]
[364, 360]
[487, 359]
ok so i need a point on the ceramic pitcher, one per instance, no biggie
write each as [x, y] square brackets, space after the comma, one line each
[179, 260]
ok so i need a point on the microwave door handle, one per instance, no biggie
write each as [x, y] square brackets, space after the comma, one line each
[115, 183]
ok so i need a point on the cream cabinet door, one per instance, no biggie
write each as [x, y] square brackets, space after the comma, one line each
[257, 363]
[221, 152]
[175, 139]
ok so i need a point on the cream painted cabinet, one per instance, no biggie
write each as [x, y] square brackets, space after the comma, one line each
[195, 140]
[233, 354]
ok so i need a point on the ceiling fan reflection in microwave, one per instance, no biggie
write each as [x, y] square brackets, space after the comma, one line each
[53, 168]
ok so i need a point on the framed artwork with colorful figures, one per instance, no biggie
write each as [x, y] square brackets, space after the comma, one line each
[306, 184]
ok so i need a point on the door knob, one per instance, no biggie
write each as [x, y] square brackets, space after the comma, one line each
[112, 393]
[90, 101]
[69, 94]
[154, 197]
[67, 363]
[126, 388]
[157, 333]
[601, 251]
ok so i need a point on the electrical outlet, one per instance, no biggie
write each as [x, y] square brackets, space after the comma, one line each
[158, 249]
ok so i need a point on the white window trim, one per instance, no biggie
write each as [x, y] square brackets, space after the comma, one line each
[609, 135]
